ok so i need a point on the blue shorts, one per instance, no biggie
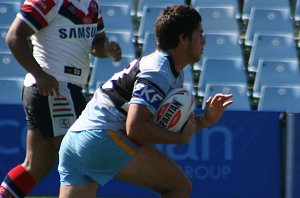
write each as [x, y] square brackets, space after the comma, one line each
[93, 156]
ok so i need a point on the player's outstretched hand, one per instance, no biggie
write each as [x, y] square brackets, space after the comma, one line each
[114, 50]
[215, 107]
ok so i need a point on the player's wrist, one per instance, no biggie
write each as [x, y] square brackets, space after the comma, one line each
[204, 122]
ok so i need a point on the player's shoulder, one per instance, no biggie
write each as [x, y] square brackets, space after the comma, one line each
[155, 62]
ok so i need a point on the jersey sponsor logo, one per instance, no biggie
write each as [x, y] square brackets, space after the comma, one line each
[149, 94]
[80, 32]
[43, 5]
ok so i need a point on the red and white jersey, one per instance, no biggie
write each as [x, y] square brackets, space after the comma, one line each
[64, 31]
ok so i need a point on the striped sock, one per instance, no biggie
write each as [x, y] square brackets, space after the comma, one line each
[17, 183]
[4, 193]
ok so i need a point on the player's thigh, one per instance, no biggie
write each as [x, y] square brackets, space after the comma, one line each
[78, 191]
[153, 169]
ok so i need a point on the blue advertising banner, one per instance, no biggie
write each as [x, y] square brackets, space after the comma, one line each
[239, 157]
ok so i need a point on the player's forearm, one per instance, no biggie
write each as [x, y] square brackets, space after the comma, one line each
[202, 122]
[151, 133]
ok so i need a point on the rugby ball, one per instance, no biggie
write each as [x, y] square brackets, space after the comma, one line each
[175, 109]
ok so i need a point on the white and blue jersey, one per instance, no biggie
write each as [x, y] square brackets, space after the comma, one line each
[64, 32]
[145, 81]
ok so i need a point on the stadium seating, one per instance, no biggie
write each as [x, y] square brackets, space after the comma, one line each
[125, 40]
[297, 11]
[149, 43]
[117, 17]
[280, 98]
[8, 11]
[104, 68]
[219, 19]
[9, 67]
[241, 101]
[155, 3]
[147, 22]
[128, 3]
[218, 3]
[273, 4]
[280, 47]
[11, 90]
[276, 72]
[220, 45]
[3, 45]
[267, 21]
[221, 71]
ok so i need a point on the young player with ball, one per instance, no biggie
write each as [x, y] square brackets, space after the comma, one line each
[113, 137]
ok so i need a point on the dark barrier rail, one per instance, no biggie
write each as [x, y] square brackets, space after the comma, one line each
[292, 168]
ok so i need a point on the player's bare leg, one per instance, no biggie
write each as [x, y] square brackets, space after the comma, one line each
[153, 169]
[79, 191]
[41, 154]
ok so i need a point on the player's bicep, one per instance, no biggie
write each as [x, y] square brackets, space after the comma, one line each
[20, 28]
[138, 117]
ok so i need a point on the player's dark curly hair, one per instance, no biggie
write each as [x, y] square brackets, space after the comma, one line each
[173, 21]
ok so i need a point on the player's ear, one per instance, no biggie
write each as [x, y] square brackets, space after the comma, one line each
[183, 40]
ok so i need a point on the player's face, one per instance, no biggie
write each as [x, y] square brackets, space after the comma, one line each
[197, 44]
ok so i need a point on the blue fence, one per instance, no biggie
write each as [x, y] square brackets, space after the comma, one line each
[240, 157]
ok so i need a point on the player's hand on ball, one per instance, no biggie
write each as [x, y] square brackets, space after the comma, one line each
[215, 107]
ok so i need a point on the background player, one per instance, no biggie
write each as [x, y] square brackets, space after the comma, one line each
[63, 33]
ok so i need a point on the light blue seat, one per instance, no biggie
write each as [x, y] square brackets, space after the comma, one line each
[3, 45]
[9, 67]
[276, 72]
[148, 20]
[220, 45]
[124, 38]
[241, 101]
[128, 3]
[155, 3]
[218, 3]
[11, 90]
[103, 70]
[8, 11]
[218, 19]
[267, 21]
[149, 43]
[221, 71]
[297, 11]
[268, 4]
[280, 98]
[117, 17]
[277, 47]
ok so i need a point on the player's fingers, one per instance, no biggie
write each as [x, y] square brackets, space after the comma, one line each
[226, 104]
[221, 98]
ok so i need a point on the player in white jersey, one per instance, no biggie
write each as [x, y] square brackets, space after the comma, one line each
[113, 137]
[63, 33]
